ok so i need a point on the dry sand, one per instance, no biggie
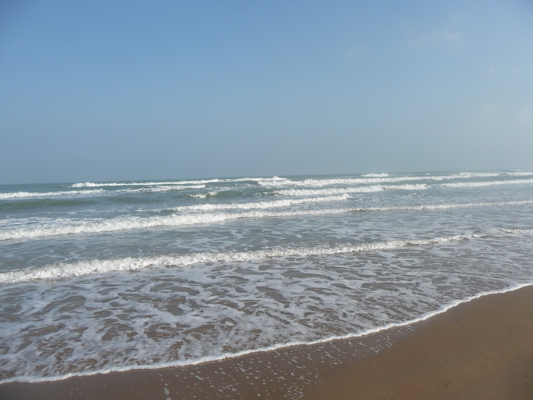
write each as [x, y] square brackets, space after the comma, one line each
[482, 349]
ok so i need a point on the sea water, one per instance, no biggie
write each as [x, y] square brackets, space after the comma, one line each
[104, 276]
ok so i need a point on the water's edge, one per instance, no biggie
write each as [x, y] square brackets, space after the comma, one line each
[203, 360]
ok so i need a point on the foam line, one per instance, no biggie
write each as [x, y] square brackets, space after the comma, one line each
[256, 205]
[518, 231]
[446, 206]
[378, 188]
[375, 175]
[128, 223]
[277, 181]
[178, 363]
[489, 183]
[177, 182]
[337, 191]
[118, 184]
[25, 195]
[378, 178]
[64, 270]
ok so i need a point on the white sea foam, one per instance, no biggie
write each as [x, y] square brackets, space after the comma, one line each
[520, 173]
[86, 304]
[335, 182]
[447, 206]
[365, 181]
[376, 175]
[377, 179]
[94, 192]
[378, 188]
[329, 191]
[69, 227]
[276, 182]
[487, 183]
[24, 195]
[337, 191]
[61, 271]
[479, 174]
[419, 186]
[162, 188]
[205, 359]
[155, 183]
[267, 179]
[202, 195]
[256, 205]
[519, 231]
[494, 174]
[177, 182]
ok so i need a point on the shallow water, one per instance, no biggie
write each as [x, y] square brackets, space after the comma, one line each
[101, 276]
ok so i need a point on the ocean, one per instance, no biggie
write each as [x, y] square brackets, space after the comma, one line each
[109, 276]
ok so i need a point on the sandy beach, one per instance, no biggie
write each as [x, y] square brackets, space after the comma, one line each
[204, 200]
[482, 349]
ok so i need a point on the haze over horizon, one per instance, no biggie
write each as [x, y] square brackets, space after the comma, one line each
[135, 90]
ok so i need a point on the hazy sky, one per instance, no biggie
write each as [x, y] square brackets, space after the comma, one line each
[117, 90]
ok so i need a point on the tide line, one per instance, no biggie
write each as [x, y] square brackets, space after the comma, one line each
[202, 360]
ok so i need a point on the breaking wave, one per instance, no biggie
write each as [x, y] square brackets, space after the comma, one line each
[70, 227]
[64, 270]
[25, 195]
[257, 205]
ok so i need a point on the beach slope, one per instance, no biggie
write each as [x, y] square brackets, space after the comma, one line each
[481, 349]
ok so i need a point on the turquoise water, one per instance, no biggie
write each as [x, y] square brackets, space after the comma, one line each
[104, 276]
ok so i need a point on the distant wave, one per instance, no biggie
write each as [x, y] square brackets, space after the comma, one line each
[445, 206]
[361, 189]
[336, 182]
[128, 223]
[65, 270]
[176, 182]
[25, 195]
[269, 179]
[256, 205]
[202, 195]
[378, 179]
[304, 187]
[66, 193]
[488, 183]
[519, 231]
[277, 181]
[378, 188]
[113, 184]
[166, 188]
[69, 227]
[520, 173]
[375, 175]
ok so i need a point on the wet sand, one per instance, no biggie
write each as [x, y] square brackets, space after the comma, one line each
[482, 349]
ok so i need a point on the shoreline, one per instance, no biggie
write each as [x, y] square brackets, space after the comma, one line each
[337, 368]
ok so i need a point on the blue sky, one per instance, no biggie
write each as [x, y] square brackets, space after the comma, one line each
[124, 90]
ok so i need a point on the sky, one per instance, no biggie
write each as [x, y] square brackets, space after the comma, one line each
[127, 90]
